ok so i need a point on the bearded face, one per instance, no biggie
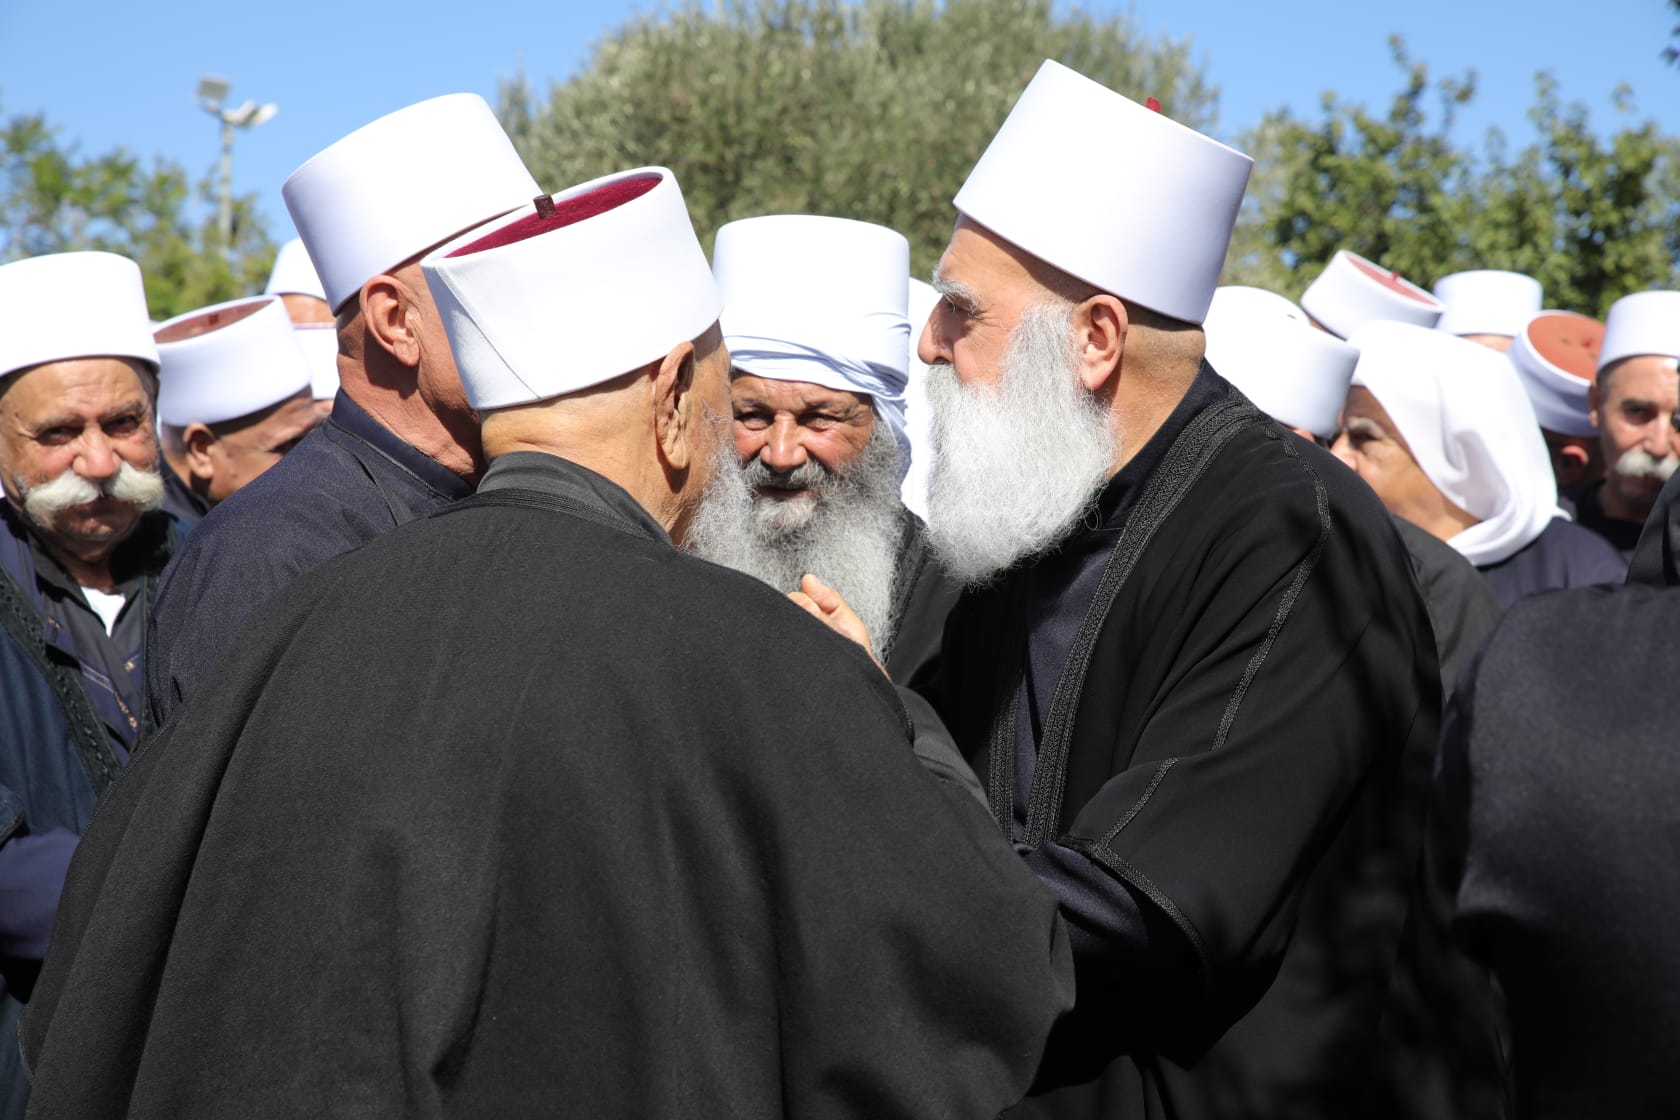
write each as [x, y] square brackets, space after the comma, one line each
[1017, 462]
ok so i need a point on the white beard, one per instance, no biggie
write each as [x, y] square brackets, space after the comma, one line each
[845, 530]
[1016, 464]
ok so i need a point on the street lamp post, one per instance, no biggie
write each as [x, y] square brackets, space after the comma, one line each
[212, 94]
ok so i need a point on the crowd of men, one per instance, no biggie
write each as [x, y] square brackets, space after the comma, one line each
[522, 666]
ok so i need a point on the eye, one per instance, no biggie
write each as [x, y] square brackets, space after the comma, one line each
[58, 435]
[752, 419]
[123, 426]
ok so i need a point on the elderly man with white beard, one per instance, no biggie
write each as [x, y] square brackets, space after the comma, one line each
[1192, 668]
[818, 379]
[80, 556]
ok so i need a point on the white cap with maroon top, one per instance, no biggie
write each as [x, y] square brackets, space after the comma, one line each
[573, 290]
[1352, 291]
[1556, 355]
[227, 361]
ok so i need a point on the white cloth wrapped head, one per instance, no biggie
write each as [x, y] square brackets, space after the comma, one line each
[1294, 372]
[820, 300]
[1352, 291]
[573, 290]
[73, 305]
[1556, 355]
[1487, 301]
[395, 188]
[1462, 410]
[1111, 192]
[227, 361]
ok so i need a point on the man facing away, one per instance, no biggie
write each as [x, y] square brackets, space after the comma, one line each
[401, 440]
[583, 843]
[82, 543]
[814, 319]
[1193, 670]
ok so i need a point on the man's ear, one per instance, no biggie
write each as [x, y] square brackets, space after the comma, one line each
[198, 439]
[675, 405]
[1593, 406]
[1100, 327]
[389, 312]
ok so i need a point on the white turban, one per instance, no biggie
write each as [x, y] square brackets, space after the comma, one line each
[820, 300]
[1462, 410]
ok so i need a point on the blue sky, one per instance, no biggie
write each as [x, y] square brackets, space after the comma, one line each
[110, 73]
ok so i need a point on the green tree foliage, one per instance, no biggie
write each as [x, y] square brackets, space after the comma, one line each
[873, 110]
[1591, 218]
[54, 200]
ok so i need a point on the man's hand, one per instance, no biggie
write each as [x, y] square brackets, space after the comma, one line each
[829, 605]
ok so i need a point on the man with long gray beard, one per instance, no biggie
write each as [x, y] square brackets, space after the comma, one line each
[818, 379]
[1192, 668]
[80, 555]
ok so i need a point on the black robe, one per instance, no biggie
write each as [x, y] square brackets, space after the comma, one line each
[1554, 834]
[923, 596]
[1564, 555]
[1656, 558]
[1462, 608]
[1238, 743]
[1584, 501]
[603, 830]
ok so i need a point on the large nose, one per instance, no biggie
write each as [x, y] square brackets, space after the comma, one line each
[97, 459]
[784, 450]
[930, 346]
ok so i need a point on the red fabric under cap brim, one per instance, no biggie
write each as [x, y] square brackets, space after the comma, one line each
[567, 213]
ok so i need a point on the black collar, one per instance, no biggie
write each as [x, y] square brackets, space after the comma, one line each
[536, 470]
[351, 419]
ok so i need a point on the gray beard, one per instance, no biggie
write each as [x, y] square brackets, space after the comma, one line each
[1017, 464]
[845, 531]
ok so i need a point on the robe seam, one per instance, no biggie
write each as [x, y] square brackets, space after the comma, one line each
[1126, 872]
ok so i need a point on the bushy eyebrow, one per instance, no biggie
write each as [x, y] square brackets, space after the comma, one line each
[956, 292]
[1364, 425]
[121, 412]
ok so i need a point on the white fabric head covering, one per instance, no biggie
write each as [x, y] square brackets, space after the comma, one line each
[601, 280]
[1487, 301]
[1643, 323]
[1462, 410]
[1291, 370]
[293, 273]
[1352, 291]
[73, 305]
[820, 300]
[1556, 355]
[320, 349]
[1110, 192]
[228, 360]
[395, 188]
[913, 488]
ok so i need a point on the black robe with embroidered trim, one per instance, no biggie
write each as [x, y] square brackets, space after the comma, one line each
[519, 811]
[1240, 740]
[923, 596]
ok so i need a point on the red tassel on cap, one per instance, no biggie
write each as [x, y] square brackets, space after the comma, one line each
[1152, 105]
[545, 206]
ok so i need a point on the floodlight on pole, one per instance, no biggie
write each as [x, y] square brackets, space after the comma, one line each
[212, 95]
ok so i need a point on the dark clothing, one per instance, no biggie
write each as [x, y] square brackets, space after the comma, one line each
[1564, 555]
[1209, 720]
[626, 859]
[1585, 502]
[68, 698]
[181, 501]
[923, 596]
[1555, 835]
[346, 483]
[1462, 609]
[1656, 558]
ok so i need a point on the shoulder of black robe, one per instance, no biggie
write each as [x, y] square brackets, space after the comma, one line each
[1462, 608]
[1563, 556]
[1585, 502]
[1656, 558]
[603, 829]
[1554, 833]
[923, 596]
[1261, 690]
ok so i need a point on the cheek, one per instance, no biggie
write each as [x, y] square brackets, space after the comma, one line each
[747, 442]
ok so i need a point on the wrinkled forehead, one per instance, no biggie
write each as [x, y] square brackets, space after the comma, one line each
[978, 266]
[74, 387]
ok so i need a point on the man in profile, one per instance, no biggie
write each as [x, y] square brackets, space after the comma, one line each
[580, 843]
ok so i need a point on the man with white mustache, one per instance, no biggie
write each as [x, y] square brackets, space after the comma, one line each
[1192, 668]
[80, 556]
[1633, 401]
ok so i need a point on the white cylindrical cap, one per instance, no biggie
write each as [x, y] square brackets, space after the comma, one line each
[1461, 409]
[1352, 291]
[1110, 192]
[1262, 343]
[589, 285]
[73, 305]
[1487, 301]
[320, 349]
[820, 300]
[293, 273]
[1556, 355]
[395, 188]
[1643, 323]
[227, 361]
